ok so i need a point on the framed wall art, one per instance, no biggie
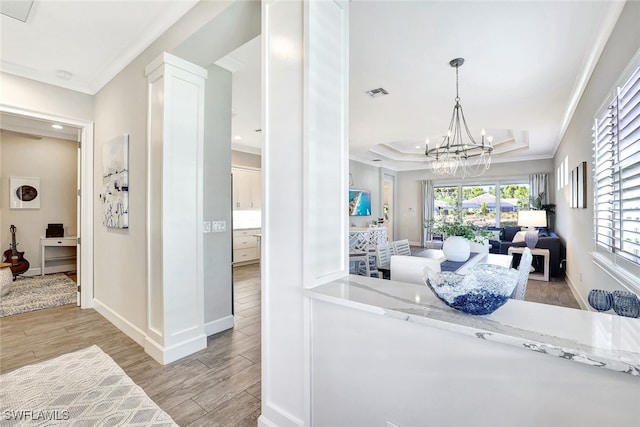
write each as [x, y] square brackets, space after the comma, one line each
[24, 193]
[115, 182]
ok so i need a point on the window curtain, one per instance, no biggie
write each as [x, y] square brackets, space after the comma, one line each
[539, 184]
[426, 190]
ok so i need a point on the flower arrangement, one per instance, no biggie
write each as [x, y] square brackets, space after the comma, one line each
[455, 225]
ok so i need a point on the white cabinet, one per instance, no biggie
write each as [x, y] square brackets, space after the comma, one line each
[246, 245]
[247, 189]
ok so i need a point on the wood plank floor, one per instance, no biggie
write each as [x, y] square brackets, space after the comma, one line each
[218, 386]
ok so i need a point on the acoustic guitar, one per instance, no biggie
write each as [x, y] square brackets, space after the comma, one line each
[17, 260]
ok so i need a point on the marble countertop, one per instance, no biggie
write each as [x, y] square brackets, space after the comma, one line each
[597, 339]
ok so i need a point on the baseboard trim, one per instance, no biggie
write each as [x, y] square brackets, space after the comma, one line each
[574, 290]
[37, 271]
[219, 325]
[274, 416]
[165, 355]
[120, 322]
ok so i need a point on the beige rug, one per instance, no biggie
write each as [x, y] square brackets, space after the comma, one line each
[83, 388]
[38, 292]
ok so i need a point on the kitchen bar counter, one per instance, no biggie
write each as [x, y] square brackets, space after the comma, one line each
[597, 339]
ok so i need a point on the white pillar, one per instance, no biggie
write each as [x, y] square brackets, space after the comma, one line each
[305, 168]
[175, 311]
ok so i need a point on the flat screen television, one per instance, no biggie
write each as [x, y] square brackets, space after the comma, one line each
[359, 202]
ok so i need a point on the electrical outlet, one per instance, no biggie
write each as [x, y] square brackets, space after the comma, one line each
[207, 226]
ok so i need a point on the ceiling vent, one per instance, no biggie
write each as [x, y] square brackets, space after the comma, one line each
[16, 9]
[374, 93]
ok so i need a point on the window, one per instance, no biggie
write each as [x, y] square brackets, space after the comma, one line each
[513, 197]
[481, 204]
[616, 159]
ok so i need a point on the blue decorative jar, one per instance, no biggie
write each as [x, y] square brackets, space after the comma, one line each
[626, 304]
[600, 299]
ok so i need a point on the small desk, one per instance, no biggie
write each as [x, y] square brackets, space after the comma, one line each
[536, 251]
[55, 241]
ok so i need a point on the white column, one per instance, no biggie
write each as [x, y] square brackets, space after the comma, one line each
[175, 311]
[305, 168]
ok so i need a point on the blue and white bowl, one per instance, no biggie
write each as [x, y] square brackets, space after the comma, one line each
[483, 290]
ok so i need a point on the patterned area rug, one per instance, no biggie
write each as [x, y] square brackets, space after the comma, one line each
[38, 292]
[83, 388]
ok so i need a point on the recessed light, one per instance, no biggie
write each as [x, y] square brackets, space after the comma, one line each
[417, 146]
[57, 126]
[237, 138]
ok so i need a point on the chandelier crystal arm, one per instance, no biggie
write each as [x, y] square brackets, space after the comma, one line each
[454, 156]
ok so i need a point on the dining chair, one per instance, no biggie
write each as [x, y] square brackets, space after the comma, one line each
[383, 259]
[523, 277]
[359, 264]
[401, 247]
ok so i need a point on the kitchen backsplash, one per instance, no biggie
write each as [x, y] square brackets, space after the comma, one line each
[247, 219]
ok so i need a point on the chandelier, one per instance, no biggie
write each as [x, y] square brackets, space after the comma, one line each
[455, 156]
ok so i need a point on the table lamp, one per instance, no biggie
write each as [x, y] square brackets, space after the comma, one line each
[532, 219]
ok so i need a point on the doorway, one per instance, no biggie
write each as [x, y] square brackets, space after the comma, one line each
[388, 206]
[83, 131]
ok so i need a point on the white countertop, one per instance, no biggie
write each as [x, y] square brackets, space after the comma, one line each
[597, 339]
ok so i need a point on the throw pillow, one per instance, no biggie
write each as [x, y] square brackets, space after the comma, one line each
[519, 237]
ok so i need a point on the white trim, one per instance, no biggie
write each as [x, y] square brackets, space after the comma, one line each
[589, 65]
[165, 355]
[37, 271]
[246, 149]
[624, 277]
[85, 222]
[274, 416]
[584, 305]
[219, 325]
[120, 322]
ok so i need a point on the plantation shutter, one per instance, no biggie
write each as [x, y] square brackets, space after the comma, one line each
[616, 159]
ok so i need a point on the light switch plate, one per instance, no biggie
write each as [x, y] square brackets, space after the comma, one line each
[218, 226]
[207, 227]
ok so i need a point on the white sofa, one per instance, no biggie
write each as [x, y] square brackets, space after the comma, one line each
[411, 268]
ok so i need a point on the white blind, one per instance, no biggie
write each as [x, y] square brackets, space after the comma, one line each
[616, 159]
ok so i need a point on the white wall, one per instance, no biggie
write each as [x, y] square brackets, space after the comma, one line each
[408, 216]
[121, 107]
[31, 95]
[54, 161]
[576, 225]
[369, 369]
[217, 200]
